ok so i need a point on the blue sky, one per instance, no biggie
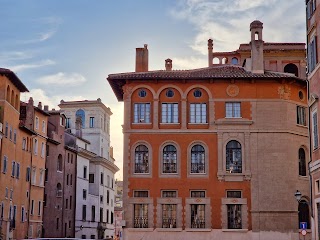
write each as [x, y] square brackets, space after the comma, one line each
[65, 49]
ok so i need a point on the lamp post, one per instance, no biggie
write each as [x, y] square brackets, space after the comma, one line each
[298, 196]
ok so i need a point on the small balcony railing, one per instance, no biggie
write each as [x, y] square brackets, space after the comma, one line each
[140, 222]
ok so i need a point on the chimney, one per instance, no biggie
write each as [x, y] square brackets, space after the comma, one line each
[256, 47]
[79, 127]
[210, 52]
[30, 102]
[40, 105]
[168, 64]
[142, 59]
[46, 108]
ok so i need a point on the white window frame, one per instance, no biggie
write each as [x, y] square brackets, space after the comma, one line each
[301, 116]
[37, 123]
[142, 113]
[233, 110]
[42, 150]
[170, 112]
[198, 113]
[43, 126]
[91, 122]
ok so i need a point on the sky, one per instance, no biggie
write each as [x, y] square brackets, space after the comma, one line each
[65, 49]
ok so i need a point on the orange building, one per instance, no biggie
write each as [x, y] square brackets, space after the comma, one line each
[22, 161]
[216, 152]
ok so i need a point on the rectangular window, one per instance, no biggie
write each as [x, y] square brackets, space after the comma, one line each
[32, 207]
[11, 193]
[84, 194]
[141, 113]
[47, 150]
[315, 129]
[91, 122]
[93, 213]
[107, 216]
[70, 203]
[169, 215]
[140, 216]
[301, 116]
[198, 113]
[37, 123]
[6, 193]
[101, 198]
[57, 223]
[84, 212]
[143, 194]
[24, 141]
[101, 215]
[35, 147]
[233, 194]
[85, 172]
[39, 208]
[312, 54]
[311, 7]
[14, 135]
[43, 126]
[22, 214]
[198, 194]
[41, 177]
[33, 176]
[5, 162]
[28, 174]
[169, 194]
[233, 110]
[170, 113]
[197, 216]
[91, 178]
[317, 186]
[18, 171]
[68, 123]
[42, 150]
[234, 216]
[10, 133]
[13, 169]
[101, 178]
[67, 203]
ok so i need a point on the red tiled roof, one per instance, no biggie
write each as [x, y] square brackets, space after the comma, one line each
[216, 72]
[14, 79]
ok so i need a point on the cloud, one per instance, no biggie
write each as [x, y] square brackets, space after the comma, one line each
[39, 95]
[60, 78]
[227, 22]
[50, 26]
[188, 63]
[15, 55]
[23, 67]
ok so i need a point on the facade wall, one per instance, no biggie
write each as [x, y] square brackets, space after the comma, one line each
[270, 139]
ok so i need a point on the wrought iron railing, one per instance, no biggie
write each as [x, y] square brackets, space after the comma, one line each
[140, 222]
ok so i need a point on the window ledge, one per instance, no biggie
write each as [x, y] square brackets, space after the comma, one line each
[169, 123]
[198, 229]
[233, 177]
[235, 230]
[142, 123]
[233, 121]
[140, 229]
[302, 126]
[304, 178]
[198, 123]
[169, 229]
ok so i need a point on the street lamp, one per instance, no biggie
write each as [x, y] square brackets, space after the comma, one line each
[298, 195]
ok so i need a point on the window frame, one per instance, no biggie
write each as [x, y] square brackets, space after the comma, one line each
[233, 110]
[230, 157]
[169, 113]
[198, 113]
[301, 116]
[142, 113]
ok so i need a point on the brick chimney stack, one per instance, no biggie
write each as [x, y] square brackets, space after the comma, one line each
[210, 52]
[168, 64]
[257, 64]
[142, 56]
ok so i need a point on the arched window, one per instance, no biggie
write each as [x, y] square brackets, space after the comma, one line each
[59, 190]
[8, 94]
[302, 162]
[197, 159]
[141, 161]
[304, 212]
[169, 159]
[234, 61]
[59, 163]
[12, 98]
[81, 114]
[291, 68]
[17, 102]
[234, 158]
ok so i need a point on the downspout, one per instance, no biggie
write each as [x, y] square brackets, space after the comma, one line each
[30, 185]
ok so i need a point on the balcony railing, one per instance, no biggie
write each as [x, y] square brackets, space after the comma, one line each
[141, 168]
[169, 223]
[140, 222]
[197, 167]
